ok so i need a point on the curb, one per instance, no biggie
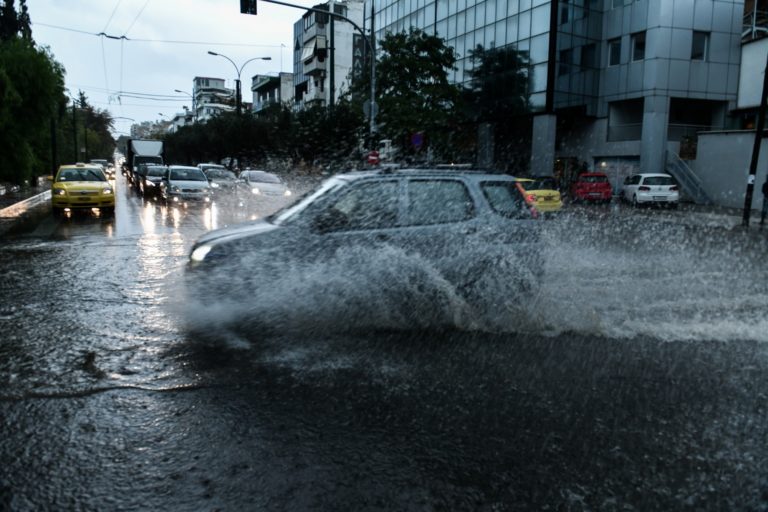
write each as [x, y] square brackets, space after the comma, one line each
[18, 214]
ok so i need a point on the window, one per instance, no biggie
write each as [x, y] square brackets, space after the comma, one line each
[365, 206]
[700, 46]
[505, 199]
[566, 58]
[438, 201]
[614, 52]
[565, 12]
[588, 59]
[617, 3]
[638, 46]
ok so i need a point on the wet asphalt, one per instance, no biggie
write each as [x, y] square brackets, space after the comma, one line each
[634, 379]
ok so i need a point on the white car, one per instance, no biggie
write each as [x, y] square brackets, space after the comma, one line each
[650, 188]
[262, 183]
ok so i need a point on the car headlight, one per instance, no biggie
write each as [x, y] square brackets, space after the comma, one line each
[149, 183]
[60, 192]
[255, 190]
[175, 188]
[200, 253]
[106, 190]
[287, 193]
[215, 185]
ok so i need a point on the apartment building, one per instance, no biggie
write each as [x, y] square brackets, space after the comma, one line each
[617, 85]
[211, 97]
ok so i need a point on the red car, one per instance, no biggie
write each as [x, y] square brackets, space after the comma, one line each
[592, 186]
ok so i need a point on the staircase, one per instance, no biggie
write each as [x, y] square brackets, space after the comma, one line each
[690, 183]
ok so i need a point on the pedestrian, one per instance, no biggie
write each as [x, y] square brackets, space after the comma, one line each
[765, 202]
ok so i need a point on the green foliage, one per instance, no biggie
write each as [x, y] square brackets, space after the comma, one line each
[413, 91]
[31, 83]
[499, 87]
[312, 135]
[14, 24]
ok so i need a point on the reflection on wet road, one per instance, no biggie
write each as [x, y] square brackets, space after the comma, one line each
[635, 378]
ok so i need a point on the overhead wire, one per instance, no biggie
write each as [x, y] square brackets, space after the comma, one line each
[164, 41]
[136, 18]
[112, 15]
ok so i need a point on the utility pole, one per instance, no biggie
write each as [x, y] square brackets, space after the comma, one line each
[332, 65]
[74, 130]
[755, 151]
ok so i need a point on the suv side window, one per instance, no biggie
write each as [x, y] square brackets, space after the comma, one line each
[505, 199]
[438, 201]
[367, 205]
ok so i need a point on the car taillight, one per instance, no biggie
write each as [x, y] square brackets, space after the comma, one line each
[673, 188]
[644, 189]
[531, 198]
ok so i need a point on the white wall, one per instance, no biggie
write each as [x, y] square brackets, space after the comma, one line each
[722, 164]
[753, 59]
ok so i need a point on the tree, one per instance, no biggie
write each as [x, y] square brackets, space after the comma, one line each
[499, 87]
[413, 91]
[13, 24]
[498, 95]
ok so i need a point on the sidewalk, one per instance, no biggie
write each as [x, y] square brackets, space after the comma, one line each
[17, 205]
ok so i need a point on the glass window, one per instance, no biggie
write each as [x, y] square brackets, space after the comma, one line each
[566, 57]
[539, 78]
[505, 199]
[614, 52]
[638, 46]
[512, 29]
[471, 19]
[525, 25]
[700, 46]
[539, 49]
[513, 7]
[490, 36]
[588, 56]
[438, 201]
[442, 9]
[540, 20]
[366, 206]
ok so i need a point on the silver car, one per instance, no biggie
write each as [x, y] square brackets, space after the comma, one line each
[185, 185]
[460, 228]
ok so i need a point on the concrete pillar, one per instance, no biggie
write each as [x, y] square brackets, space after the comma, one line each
[543, 145]
[653, 144]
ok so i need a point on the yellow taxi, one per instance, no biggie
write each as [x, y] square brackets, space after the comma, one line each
[541, 193]
[82, 186]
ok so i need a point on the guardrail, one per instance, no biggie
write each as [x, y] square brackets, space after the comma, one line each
[24, 206]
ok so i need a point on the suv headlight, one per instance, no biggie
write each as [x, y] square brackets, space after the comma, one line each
[199, 254]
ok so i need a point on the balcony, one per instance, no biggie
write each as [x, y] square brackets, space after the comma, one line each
[314, 31]
[315, 67]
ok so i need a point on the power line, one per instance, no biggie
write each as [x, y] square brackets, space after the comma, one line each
[136, 18]
[164, 41]
[112, 15]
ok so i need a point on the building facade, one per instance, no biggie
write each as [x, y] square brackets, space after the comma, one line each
[271, 89]
[211, 97]
[616, 85]
[324, 52]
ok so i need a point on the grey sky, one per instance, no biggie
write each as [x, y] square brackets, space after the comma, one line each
[103, 67]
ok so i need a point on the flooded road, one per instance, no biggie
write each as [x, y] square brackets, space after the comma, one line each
[634, 378]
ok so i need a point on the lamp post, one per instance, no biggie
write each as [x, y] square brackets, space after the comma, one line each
[192, 97]
[238, 97]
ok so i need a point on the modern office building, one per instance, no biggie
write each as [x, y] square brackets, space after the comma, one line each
[211, 97]
[616, 85]
[325, 52]
[271, 89]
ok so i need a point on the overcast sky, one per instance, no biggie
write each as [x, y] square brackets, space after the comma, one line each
[110, 70]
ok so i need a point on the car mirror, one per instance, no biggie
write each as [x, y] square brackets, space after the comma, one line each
[49, 178]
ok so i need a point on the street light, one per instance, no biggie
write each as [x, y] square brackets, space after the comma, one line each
[238, 96]
[192, 97]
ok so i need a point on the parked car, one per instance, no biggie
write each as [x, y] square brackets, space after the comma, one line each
[467, 226]
[206, 167]
[592, 187]
[263, 183]
[222, 181]
[185, 185]
[650, 188]
[149, 181]
[541, 193]
[81, 186]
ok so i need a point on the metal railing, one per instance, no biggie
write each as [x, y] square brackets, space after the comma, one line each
[24, 206]
[687, 179]
[755, 22]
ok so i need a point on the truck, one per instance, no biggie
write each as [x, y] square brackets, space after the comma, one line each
[141, 151]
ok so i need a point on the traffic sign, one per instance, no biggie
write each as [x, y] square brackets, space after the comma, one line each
[373, 158]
